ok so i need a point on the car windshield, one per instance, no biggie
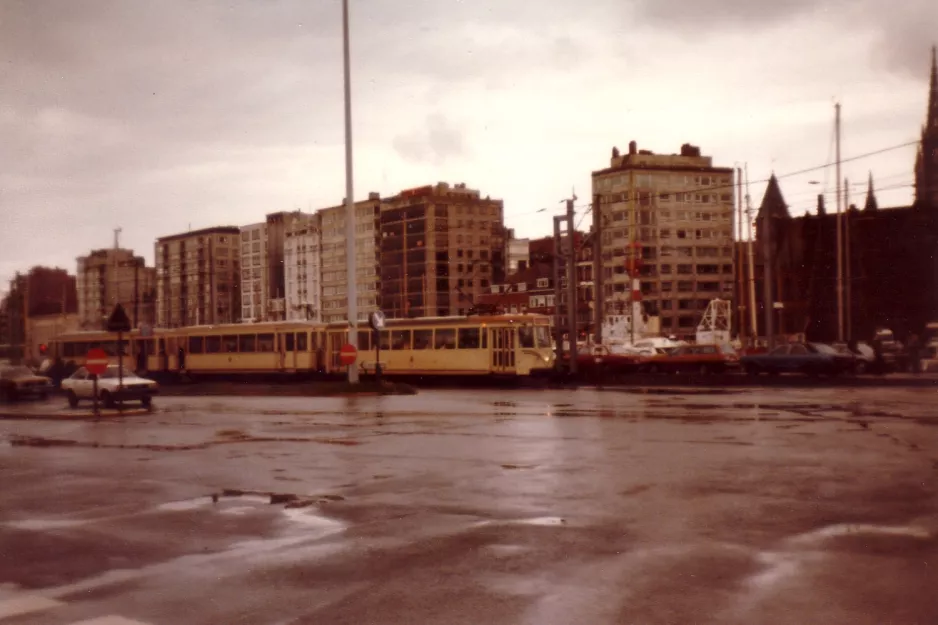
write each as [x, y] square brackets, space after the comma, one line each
[821, 348]
[16, 372]
[113, 372]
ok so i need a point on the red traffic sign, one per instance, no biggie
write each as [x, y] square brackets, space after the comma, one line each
[96, 361]
[348, 354]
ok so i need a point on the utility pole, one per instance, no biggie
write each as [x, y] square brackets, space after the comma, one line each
[753, 318]
[571, 284]
[26, 316]
[848, 296]
[558, 292]
[350, 268]
[768, 259]
[598, 294]
[840, 255]
[740, 260]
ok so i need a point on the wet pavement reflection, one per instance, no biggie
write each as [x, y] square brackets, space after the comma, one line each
[550, 506]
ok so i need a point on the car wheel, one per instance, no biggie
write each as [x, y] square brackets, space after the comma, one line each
[107, 399]
[654, 369]
[752, 370]
[72, 399]
[146, 401]
[12, 395]
[704, 370]
[860, 368]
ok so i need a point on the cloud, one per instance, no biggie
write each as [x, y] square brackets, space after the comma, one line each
[436, 141]
[901, 34]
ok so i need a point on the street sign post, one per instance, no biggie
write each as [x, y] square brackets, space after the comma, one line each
[348, 354]
[119, 322]
[96, 364]
[376, 321]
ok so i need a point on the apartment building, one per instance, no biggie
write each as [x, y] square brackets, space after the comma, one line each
[254, 291]
[334, 277]
[303, 267]
[108, 277]
[517, 252]
[198, 277]
[668, 218]
[441, 248]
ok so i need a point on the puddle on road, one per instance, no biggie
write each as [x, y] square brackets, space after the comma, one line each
[42, 525]
[861, 529]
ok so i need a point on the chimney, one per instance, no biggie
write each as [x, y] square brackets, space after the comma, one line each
[820, 204]
[633, 148]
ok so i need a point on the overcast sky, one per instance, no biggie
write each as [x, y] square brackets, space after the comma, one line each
[160, 116]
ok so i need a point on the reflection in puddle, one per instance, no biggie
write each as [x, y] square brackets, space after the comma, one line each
[40, 525]
[858, 529]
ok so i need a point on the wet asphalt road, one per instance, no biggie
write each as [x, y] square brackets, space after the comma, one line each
[774, 506]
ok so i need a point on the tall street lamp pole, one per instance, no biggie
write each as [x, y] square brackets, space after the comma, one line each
[351, 289]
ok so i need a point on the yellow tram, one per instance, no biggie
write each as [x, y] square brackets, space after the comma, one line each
[503, 345]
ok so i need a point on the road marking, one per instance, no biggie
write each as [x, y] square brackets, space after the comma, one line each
[25, 604]
[110, 620]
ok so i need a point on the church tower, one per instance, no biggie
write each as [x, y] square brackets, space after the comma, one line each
[926, 163]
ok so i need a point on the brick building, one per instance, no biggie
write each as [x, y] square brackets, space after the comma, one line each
[441, 248]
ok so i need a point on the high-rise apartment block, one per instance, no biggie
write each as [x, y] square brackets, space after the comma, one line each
[333, 257]
[254, 292]
[302, 262]
[263, 290]
[108, 277]
[441, 248]
[197, 277]
[670, 218]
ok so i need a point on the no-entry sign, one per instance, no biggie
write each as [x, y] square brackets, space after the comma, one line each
[348, 354]
[96, 361]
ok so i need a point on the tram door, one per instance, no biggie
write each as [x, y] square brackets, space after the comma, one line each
[503, 350]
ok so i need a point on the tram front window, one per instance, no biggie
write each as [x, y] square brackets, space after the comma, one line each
[526, 336]
[542, 334]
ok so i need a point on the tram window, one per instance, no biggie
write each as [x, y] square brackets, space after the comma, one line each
[301, 341]
[468, 338]
[485, 338]
[316, 341]
[265, 343]
[446, 338]
[229, 344]
[364, 343]
[526, 336]
[288, 342]
[212, 344]
[423, 339]
[542, 335]
[400, 339]
[195, 344]
[385, 340]
[246, 343]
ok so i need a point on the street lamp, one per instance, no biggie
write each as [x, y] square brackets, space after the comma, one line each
[350, 268]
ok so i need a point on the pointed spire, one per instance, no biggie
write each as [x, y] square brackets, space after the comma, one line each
[871, 203]
[772, 202]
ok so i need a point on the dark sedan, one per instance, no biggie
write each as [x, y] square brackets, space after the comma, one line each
[807, 358]
[18, 381]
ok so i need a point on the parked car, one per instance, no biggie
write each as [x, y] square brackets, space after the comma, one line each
[693, 358]
[807, 358]
[110, 388]
[863, 355]
[17, 381]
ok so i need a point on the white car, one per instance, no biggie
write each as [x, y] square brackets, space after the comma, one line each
[110, 390]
